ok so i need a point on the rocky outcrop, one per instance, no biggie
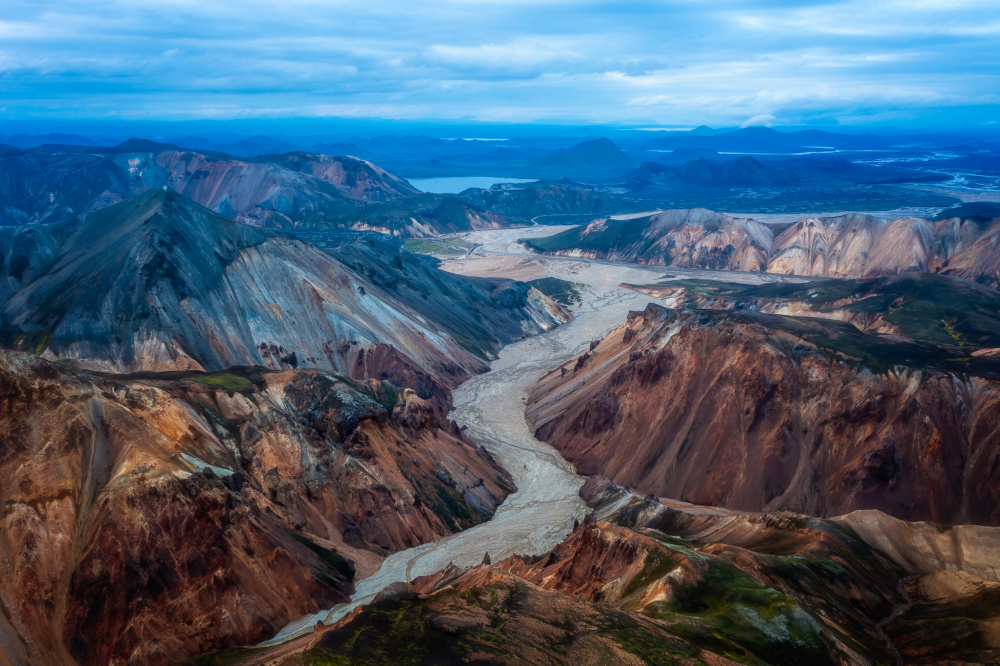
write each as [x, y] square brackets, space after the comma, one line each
[761, 412]
[150, 520]
[159, 283]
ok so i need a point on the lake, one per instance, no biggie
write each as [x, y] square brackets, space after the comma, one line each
[456, 184]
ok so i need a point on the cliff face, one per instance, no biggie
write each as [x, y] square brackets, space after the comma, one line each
[149, 520]
[160, 283]
[761, 412]
[848, 246]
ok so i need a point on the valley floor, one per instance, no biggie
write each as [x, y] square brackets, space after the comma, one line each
[490, 407]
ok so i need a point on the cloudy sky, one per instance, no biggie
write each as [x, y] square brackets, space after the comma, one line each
[676, 62]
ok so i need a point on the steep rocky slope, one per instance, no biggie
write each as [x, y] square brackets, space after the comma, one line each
[763, 412]
[849, 246]
[160, 283]
[151, 519]
[294, 190]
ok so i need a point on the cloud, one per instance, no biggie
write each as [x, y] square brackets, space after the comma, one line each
[662, 62]
[761, 120]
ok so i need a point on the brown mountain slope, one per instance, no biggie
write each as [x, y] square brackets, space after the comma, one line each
[149, 520]
[753, 590]
[762, 412]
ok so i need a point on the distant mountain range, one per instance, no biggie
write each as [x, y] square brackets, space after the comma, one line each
[293, 190]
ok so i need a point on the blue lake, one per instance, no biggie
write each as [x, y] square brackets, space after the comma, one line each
[456, 184]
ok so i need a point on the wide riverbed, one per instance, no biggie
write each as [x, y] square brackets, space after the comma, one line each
[491, 407]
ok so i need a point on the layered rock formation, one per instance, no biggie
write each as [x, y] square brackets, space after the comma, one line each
[848, 246]
[761, 412]
[160, 283]
[149, 520]
[295, 190]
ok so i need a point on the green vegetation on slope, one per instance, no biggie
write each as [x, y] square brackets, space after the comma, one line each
[563, 292]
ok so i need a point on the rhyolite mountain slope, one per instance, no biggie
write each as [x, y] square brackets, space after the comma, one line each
[866, 246]
[850, 246]
[695, 238]
[293, 190]
[751, 411]
[160, 283]
[150, 519]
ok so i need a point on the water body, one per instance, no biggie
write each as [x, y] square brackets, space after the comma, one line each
[456, 184]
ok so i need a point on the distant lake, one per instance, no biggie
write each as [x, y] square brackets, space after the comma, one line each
[454, 185]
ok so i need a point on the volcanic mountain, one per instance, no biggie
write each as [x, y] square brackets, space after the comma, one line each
[589, 159]
[156, 511]
[294, 190]
[160, 283]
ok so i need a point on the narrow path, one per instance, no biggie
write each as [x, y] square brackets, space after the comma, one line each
[897, 610]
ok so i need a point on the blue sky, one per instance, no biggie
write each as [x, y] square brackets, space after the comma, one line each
[678, 63]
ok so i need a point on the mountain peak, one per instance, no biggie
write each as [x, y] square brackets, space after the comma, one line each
[135, 145]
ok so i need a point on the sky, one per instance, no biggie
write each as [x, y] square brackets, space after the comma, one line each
[674, 63]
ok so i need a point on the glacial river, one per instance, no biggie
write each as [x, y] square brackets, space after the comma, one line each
[491, 406]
